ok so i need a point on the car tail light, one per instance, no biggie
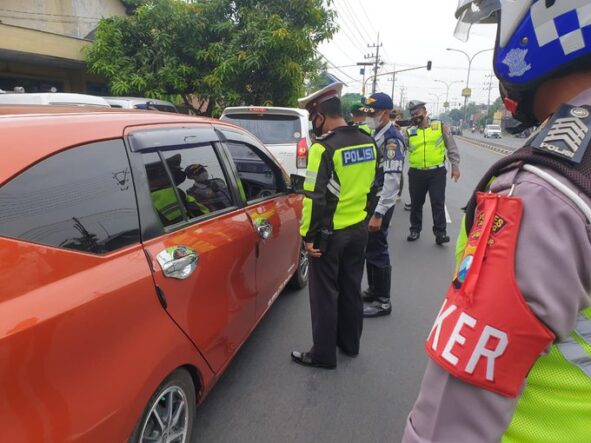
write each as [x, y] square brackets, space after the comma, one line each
[302, 154]
[257, 109]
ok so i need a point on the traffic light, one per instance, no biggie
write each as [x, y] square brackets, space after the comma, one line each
[429, 64]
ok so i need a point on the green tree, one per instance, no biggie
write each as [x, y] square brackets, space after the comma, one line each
[221, 51]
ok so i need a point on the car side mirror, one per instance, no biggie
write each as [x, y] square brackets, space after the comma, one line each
[297, 183]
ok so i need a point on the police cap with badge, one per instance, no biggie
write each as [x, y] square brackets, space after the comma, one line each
[312, 101]
[378, 102]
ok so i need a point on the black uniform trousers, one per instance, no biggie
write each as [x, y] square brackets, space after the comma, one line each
[335, 294]
[421, 182]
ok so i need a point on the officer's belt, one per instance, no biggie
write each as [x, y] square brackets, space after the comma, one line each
[442, 165]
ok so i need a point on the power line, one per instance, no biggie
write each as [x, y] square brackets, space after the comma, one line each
[352, 21]
[335, 66]
[353, 16]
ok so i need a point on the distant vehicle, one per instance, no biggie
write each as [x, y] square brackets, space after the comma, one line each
[148, 104]
[53, 98]
[492, 131]
[456, 130]
[284, 131]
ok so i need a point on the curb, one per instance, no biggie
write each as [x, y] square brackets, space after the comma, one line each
[490, 146]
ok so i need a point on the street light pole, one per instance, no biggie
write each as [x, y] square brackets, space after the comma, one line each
[438, 97]
[470, 60]
[448, 85]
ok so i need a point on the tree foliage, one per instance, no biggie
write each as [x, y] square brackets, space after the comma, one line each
[226, 51]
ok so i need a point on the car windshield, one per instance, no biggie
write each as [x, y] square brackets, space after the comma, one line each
[271, 129]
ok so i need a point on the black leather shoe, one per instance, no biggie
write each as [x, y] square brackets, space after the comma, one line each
[441, 239]
[377, 309]
[413, 236]
[349, 354]
[305, 359]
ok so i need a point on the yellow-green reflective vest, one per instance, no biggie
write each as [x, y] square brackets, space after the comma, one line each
[167, 204]
[426, 147]
[555, 405]
[355, 168]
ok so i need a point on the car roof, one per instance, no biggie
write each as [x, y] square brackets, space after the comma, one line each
[137, 100]
[53, 98]
[265, 110]
[60, 127]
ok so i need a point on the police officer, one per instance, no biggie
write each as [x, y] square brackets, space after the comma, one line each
[511, 348]
[428, 143]
[390, 163]
[358, 118]
[339, 178]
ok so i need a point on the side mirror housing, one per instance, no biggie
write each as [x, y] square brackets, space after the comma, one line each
[297, 183]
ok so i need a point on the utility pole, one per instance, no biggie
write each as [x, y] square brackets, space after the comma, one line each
[376, 62]
[488, 86]
[364, 64]
[393, 81]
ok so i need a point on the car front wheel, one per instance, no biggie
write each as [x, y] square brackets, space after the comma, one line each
[300, 278]
[170, 413]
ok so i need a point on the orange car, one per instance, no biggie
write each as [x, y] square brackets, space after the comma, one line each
[137, 253]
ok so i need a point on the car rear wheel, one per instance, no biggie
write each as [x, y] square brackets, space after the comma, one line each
[170, 413]
[300, 278]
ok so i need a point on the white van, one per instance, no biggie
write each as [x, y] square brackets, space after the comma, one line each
[493, 131]
[284, 131]
[53, 98]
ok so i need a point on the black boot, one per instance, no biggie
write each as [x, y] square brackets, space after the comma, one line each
[369, 294]
[381, 306]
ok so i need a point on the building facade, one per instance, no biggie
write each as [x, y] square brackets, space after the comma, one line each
[41, 43]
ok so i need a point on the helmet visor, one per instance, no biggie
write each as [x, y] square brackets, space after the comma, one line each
[476, 11]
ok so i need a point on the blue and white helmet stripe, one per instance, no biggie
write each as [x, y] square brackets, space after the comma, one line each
[547, 39]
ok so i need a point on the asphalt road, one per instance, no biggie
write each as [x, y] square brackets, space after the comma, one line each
[507, 140]
[264, 397]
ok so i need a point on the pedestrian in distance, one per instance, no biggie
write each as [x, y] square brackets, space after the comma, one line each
[339, 178]
[429, 144]
[510, 351]
[390, 164]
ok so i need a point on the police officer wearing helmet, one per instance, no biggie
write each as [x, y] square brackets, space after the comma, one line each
[390, 163]
[339, 178]
[511, 347]
[429, 144]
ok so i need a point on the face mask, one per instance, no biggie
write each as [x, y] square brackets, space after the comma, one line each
[318, 129]
[373, 122]
[418, 120]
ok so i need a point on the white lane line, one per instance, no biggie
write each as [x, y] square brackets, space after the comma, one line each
[484, 147]
[447, 217]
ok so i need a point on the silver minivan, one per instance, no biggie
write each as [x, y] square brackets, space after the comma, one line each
[284, 131]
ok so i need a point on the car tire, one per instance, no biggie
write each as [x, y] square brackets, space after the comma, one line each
[178, 389]
[299, 280]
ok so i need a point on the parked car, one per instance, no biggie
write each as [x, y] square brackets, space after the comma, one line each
[492, 131]
[141, 103]
[53, 98]
[284, 131]
[138, 251]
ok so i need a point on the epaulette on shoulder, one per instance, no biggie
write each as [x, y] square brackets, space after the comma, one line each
[325, 136]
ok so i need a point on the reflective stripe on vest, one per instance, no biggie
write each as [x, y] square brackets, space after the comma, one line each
[577, 348]
[426, 147]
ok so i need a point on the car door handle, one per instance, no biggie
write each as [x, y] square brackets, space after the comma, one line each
[178, 262]
[264, 228]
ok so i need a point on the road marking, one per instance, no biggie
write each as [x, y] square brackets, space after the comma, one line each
[485, 146]
[447, 217]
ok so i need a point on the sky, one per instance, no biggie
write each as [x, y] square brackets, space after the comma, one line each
[412, 32]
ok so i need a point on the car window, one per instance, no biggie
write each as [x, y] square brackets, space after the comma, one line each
[259, 179]
[81, 199]
[270, 128]
[194, 175]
